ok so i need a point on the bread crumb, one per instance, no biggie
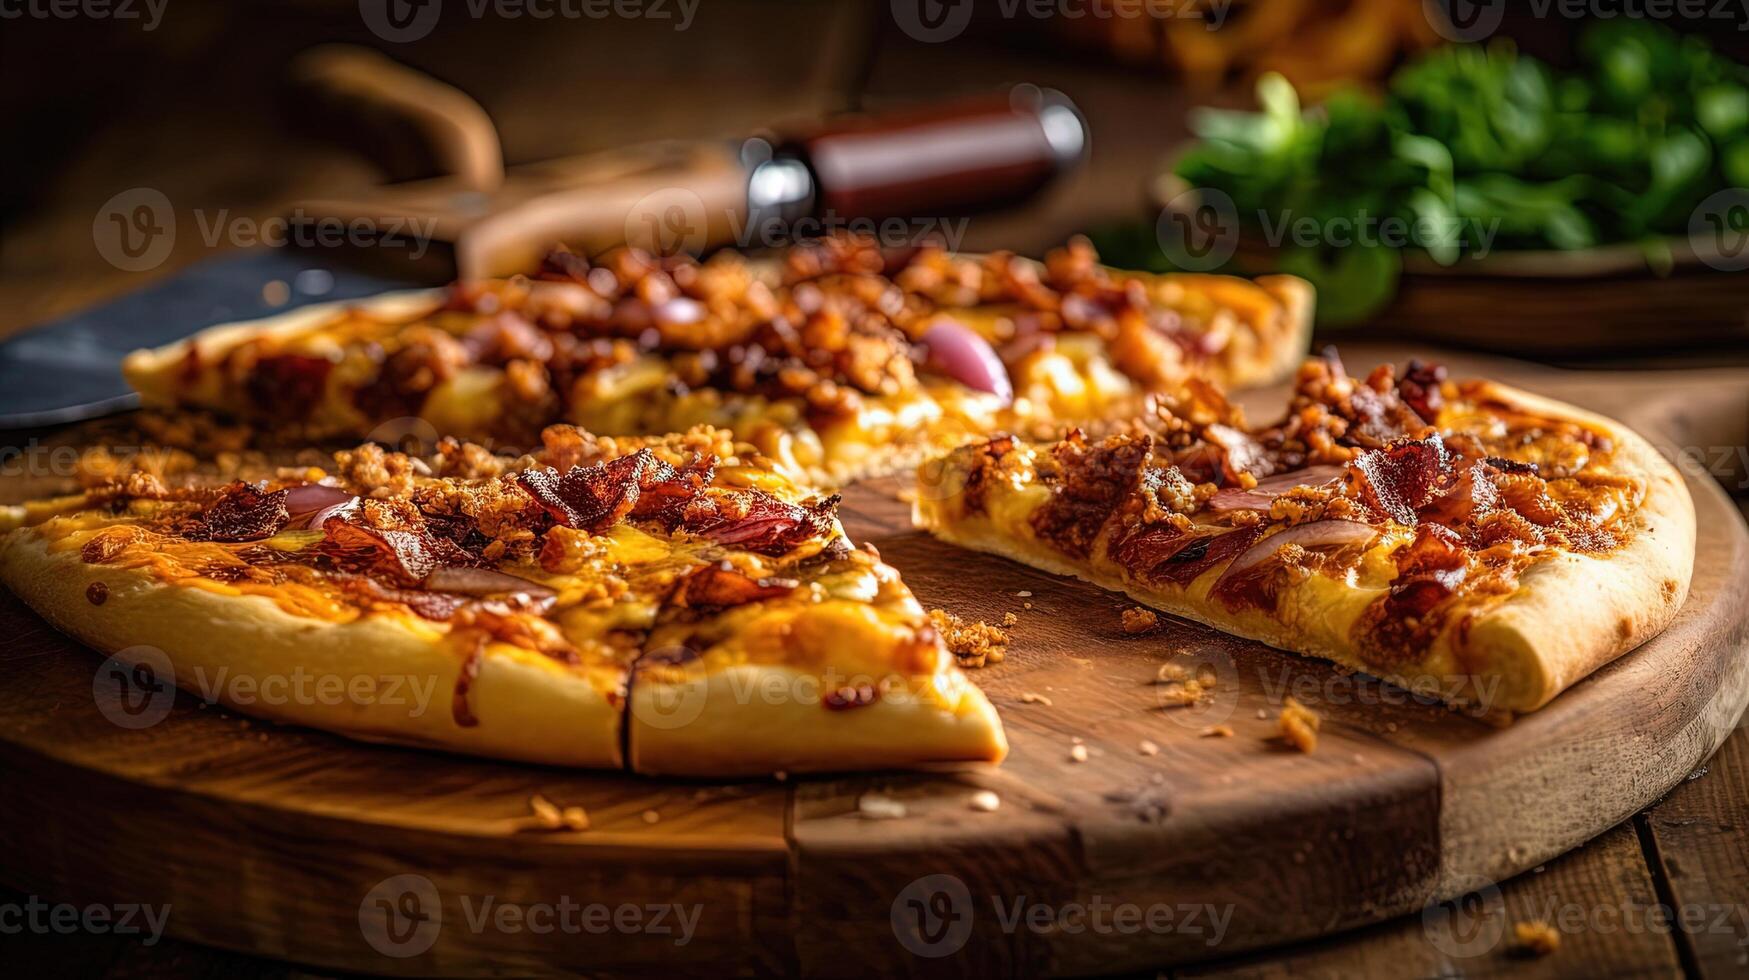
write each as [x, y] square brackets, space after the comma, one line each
[1168, 672]
[1298, 725]
[1078, 753]
[1148, 748]
[651, 816]
[1216, 731]
[874, 806]
[972, 644]
[1027, 697]
[1262, 714]
[1534, 937]
[575, 818]
[1009, 619]
[1180, 693]
[985, 801]
[1024, 594]
[1139, 620]
[546, 814]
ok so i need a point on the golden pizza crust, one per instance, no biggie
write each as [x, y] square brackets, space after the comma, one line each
[757, 719]
[1571, 613]
[389, 678]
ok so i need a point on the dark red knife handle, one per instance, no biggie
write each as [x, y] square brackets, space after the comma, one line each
[944, 159]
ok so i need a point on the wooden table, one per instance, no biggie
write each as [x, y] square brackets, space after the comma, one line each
[192, 114]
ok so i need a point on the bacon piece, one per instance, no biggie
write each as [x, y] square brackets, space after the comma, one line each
[1401, 623]
[1095, 480]
[1143, 549]
[1404, 477]
[1419, 388]
[721, 586]
[593, 498]
[406, 554]
[244, 513]
[758, 522]
[1188, 563]
[288, 385]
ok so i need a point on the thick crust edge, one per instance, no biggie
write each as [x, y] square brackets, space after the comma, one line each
[239, 649]
[751, 719]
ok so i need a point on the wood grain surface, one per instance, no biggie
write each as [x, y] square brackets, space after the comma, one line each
[271, 840]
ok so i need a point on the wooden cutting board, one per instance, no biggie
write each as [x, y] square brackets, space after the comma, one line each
[293, 844]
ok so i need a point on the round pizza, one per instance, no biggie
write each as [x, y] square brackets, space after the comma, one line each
[670, 605]
[1463, 540]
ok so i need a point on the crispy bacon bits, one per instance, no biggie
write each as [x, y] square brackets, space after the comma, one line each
[1139, 620]
[972, 644]
[1298, 725]
[1535, 938]
[243, 513]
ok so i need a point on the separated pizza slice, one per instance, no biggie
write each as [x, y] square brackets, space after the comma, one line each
[501, 606]
[1464, 540]
[837, 360]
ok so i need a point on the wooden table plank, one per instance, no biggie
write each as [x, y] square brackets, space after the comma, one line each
[1697, 834]
[1586, 895]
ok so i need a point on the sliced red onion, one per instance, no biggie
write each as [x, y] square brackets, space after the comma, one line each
[1317, 534]
[1310, 476]
[484, 582]
[1261, 496]
[312, 504]
[957, 351]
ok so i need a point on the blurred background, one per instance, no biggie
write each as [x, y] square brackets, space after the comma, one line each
[1561, 180]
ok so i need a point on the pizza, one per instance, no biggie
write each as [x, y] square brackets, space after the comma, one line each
[667, 605]
[836, 360]
[1461, 539]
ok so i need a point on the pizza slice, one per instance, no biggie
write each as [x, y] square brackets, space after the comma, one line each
[1463, 540]
[837, 360]
[533, 600]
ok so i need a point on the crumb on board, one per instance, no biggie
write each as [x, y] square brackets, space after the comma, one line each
[1216, 731]
[1139, 620]
[1534, 937]
[1028, 697]
[651, 816]
[1297, 725]
[1009, 619]
[1078, 752]
[876, 806]
[1024, 593]
[544, 814]
[985, 801]
[972, 644]
[1148, 748]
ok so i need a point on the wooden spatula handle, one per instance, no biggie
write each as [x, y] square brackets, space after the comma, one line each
[408, 122]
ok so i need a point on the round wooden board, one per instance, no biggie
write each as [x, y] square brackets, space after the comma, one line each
[293, 844]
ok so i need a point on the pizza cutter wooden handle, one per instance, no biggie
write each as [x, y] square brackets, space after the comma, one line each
[943, 159]
[411, 124]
